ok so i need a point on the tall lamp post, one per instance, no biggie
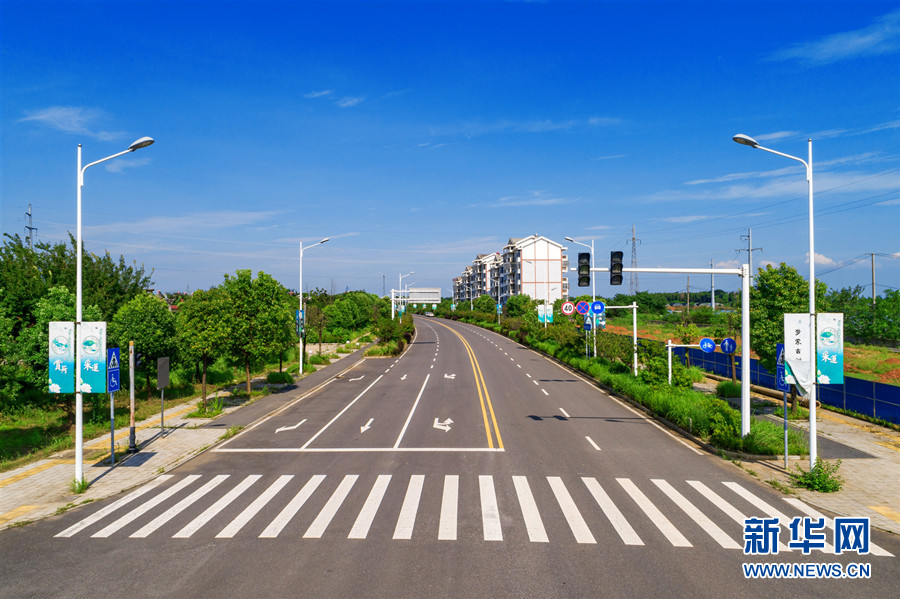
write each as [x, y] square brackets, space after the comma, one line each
[749, 141]
[593, 287]
[300, 290]
[400, 292]
[79, 400]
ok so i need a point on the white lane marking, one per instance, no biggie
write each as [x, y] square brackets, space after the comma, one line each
[289, 428]
[358, 378]
[341, 413]
[612, 513]
[407, 519]
[696, 515]
[564, 413]
[533, 522]
[536, 383]
[512, 359]
[594, 445]
[364, 449]
[367, 514]
[138, 512]
[576, 522]
[490, 513]
[528, 375]
[519, 365]
[829, 523]
[449, 508]
[412, 411]
[210, 512]
[317, 528]
[662, 523]
[388, 370]
[290, 510]
[251, 510]
[544, 391]
[179, 507]
[102, 513]
[431, 367]
[767, 509]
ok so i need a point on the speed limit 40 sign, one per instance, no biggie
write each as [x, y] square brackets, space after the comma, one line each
[568, 308]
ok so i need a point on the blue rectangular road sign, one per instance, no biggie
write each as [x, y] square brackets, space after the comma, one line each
[112, 369]
[780, 383]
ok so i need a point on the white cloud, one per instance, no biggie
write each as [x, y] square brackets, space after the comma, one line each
[77, 120]
[611, 157]
[537, 198]
[820, 259]
[776, 135]
[189, 223]
[685, 219]
[319, 94]
[881, 37]
[120, 164]
[599, 228]
[889, 203]
[349, 101]
[765, 263]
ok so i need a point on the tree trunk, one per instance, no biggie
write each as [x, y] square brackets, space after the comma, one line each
[280, 357]
[793, 399]
[733, 369]
[247, 369]
[203, 393]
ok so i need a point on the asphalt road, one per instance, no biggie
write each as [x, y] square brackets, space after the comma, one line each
[470, 466]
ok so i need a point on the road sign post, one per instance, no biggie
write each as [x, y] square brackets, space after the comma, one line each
[132, 440]
[112, 385]
[162, 381]
[782, 386]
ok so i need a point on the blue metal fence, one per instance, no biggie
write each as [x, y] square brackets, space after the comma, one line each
[874, 399]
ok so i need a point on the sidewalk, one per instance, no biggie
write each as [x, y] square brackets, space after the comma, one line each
[870, 467]
[42, 488]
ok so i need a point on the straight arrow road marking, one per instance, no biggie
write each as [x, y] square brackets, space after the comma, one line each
[289, 428]
[368, 425]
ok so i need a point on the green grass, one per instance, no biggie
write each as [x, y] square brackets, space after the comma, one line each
[212, 409]
[79, 486]
[232, 431]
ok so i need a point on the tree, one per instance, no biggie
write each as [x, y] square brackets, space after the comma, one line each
[147, 321]
[10, 375]
[485, 303]
[518, 306]
[260, 318]
[203, 333]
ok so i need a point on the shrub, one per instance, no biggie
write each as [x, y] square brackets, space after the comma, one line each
[318, 359]
[821, 477]
[279, 378]
[728, 389]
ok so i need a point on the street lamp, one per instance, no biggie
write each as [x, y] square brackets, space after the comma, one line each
[300, 293]
[399, 292]
[593, 287]
[749, 141]
[79, 400]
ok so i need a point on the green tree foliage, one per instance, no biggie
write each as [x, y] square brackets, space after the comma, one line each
[147, 321]
[10, 365]
[518, 306]
[203, 333]
[778, 291]
[261, 319]
[485, 303]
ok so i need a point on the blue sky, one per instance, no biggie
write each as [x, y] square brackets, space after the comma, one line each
[417, 135]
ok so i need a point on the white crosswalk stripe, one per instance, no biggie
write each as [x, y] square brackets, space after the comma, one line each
[561, 511]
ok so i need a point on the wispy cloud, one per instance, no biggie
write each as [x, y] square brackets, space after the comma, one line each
[188, 223]
[685, 219]
[476, 129]
[319, 94]
[349, 101]
[119, 165]
[821, 259]
[611, 157]
[535, 198]
[77, 120]
[889, 203]
[776, 135]
[881, 37]
[855, 159]
[599, 228]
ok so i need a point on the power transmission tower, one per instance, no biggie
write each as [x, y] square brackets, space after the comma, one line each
[29, 235]
[634, 264]
[750, 249]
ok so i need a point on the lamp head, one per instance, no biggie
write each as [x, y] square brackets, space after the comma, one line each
[746, 140]
[569, 239]
[326, 239]
[141, 143]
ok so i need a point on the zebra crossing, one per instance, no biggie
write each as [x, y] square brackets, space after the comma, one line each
[543, 509]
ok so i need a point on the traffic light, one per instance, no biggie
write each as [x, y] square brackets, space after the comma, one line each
[584, 269]
[615, 268]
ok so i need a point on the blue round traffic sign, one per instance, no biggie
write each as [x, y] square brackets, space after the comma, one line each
[729, 345]
[707, 345]
[598, 307]
[582, 307]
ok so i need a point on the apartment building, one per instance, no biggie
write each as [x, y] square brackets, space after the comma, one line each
[535, 266]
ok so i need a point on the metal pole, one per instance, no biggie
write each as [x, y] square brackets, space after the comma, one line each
[594, 298]
[112, 429]
[634, 334]
[873, 280]
[79, 423]
[745, 350]
[302, 314]
[812, 312]
[784, 393]
[132, 445]
[669, 356]
[162, 411]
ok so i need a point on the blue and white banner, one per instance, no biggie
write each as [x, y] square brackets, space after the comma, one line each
[830, 348]
[62, 357]
[92, 356]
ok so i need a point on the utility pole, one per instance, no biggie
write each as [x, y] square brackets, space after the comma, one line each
[30, 231]
[873, 280]
[689, 295]
[750, 249]
[712, 287]
[634, 264]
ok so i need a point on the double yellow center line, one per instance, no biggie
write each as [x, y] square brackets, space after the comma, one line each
[483, 394]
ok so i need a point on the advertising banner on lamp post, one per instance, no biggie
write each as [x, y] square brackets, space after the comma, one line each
[798, 355]
[830, 348]
[62, 357]
[92, 356]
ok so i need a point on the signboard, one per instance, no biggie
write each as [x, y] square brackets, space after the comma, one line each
[707, 345]
[62, 357]
[162, 373]
[729, 345]
[424, 295]
[92, 356]
[598, 307]
[112, 369]
[797, 351]
[600, 320]
[587, 324]
[830, 348]
[568, 308]
[582, 307]
[780, 383]
[545, 315]
[499, 308]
